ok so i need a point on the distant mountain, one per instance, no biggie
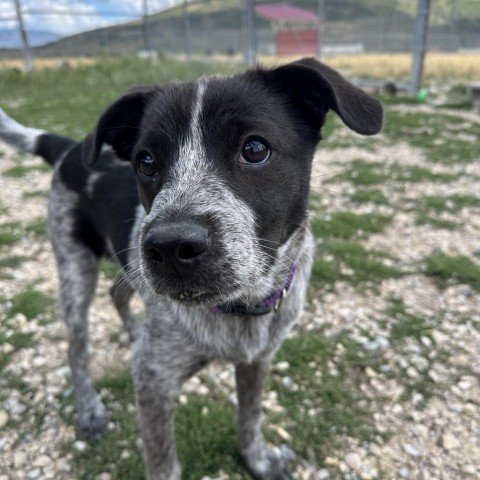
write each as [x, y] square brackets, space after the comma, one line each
[10, 38]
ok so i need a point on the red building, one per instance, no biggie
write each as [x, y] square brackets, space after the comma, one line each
[295, 29]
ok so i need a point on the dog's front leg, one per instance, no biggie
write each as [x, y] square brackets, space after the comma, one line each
[162, 361]
[264, 463]
[156, 394]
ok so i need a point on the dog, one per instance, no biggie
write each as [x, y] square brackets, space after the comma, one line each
[199, 191]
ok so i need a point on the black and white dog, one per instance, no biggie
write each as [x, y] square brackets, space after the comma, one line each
[199, 191]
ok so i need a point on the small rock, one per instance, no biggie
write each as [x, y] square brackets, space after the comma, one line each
[421, 430]
[34, 474]
[203, 390]
[104, 476]
[63, 465]
[39, 361]
[434, 376]
[353, 460]
[42, 461]
[460, 360]
[4, 418]
[80, 446]
[281, 366]
[404, 472]
[375, 450]
[450, 442]
[469, 469]
[19, 459]
[125, 455]
[412, 372]
[323, 474]
[332, 461]
[8, 348]
[287, 382]
[427, 342]
[465, 385]
[411, 450]
[282, 433]
[182, 399]
[439, 337]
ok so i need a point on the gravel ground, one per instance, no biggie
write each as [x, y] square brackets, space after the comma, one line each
[441, 440]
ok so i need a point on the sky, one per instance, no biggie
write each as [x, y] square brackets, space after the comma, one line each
[47, 20]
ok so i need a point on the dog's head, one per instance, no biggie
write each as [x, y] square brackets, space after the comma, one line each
[223, 168]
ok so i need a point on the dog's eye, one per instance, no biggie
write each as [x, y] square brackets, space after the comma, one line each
[254, 151]
[147, 165]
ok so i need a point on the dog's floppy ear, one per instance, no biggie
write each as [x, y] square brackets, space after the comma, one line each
[119, 125]
[318, 88]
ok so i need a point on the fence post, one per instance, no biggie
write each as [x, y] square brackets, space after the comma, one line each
[320, 27]
[250, 50]
[146, 30]
[23, 33]
[419, 45]
[186, 30]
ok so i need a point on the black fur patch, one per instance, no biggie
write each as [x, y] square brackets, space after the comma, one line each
[51, 146]
[108, 199]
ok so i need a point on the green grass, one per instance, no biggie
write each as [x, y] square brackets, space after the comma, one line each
[367, 174]
[35, 194]
[31, 303]
[37, 227]
[346, 225]
[404, 324]
[109, 269]
[12, 261]
[433, 222]
[450, 204]
[453, 269]
[427, 208]
[206, 436]
[11, 334]
[22, 171]
[361, 173]
[334, 397]
[49, 96]
[352, 263]
[424, 131]
[374, 196]
[10, 233]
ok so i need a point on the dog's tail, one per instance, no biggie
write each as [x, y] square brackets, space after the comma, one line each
[49, 146]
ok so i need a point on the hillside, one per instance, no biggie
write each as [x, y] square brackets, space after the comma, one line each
[217, 26]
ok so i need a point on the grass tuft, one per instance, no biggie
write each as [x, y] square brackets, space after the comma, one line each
[31, 303]
[350, 262]
[10, 233]
[346, 225]
[447, 269]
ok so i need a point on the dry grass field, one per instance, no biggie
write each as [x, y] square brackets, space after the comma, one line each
[461, 67]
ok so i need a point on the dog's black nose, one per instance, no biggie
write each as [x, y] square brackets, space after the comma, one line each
[175, 248]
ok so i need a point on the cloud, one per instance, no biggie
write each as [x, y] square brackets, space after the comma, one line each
[69, 17]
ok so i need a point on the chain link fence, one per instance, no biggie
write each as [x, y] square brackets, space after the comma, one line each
[360, 35]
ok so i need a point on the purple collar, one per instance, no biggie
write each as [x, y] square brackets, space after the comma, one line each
[270, 303]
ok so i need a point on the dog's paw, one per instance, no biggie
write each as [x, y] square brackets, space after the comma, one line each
[271, 465]
[92, 422]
